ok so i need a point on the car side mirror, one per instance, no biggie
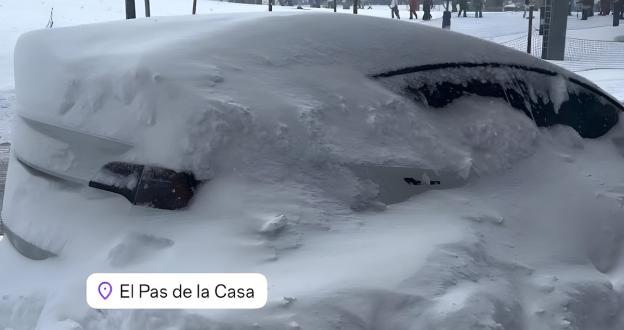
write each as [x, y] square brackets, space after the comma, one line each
[149, 186]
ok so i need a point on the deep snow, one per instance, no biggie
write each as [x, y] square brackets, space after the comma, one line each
[535, 243]
[537, 246]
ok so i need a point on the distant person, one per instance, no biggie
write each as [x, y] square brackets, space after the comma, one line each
[618, 9]
[605, 7]
[454, 3]
[427, 4]
[588, 9]
[463, 5]
[394, 8]
[414, 6]
[478, 4]
[593, 5]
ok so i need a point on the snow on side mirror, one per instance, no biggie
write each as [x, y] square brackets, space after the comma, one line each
[150, 186]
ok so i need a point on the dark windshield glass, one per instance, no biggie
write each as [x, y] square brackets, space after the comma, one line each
[545, 96]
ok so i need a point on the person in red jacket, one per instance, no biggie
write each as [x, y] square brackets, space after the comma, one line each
[414, 6]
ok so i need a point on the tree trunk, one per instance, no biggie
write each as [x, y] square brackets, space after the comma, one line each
[130, 9]
[147, 8]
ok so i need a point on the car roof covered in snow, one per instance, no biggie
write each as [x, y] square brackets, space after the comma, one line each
[369, 45]
[184, 90]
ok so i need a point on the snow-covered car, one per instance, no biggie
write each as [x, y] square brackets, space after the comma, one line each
[158, 113]
[298, 135]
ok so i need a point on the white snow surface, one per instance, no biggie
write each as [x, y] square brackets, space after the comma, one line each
[533, 242]
[537, 246]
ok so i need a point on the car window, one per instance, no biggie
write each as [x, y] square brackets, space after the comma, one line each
[547, 97]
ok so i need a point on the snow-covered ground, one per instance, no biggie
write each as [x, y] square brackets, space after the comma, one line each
[534, 244]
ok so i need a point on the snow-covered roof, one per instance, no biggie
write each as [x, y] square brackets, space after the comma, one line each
[256, 41]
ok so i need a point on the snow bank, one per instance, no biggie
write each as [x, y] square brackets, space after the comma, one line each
[534, 247]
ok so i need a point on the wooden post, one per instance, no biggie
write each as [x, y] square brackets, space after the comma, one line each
[355, 6]
[194, 6]
[334, 6]
[147, 8]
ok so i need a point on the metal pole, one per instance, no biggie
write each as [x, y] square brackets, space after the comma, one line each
[542, 19]
[554, 41]
[147, 8]
[617, 9]
[130, 10]
[355, 5]
[194, 6]
[530, 29]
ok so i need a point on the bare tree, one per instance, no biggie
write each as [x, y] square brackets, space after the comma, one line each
[51, 20]
[130, 9]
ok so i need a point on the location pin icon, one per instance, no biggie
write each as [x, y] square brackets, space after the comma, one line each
[105, 290]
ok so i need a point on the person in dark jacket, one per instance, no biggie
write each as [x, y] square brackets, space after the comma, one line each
[478, 4]
[427, 4]
[394, 8]
[588, 9]
[463, 6]
[618, 9]
[605, 7]
[414, 6]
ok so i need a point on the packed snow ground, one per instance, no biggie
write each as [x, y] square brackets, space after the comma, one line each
[535, 245]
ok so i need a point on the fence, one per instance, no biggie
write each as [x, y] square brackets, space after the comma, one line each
[601, 53]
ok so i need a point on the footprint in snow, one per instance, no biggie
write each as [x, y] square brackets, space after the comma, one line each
[135, 247]
[489, 219]
[616, 193]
